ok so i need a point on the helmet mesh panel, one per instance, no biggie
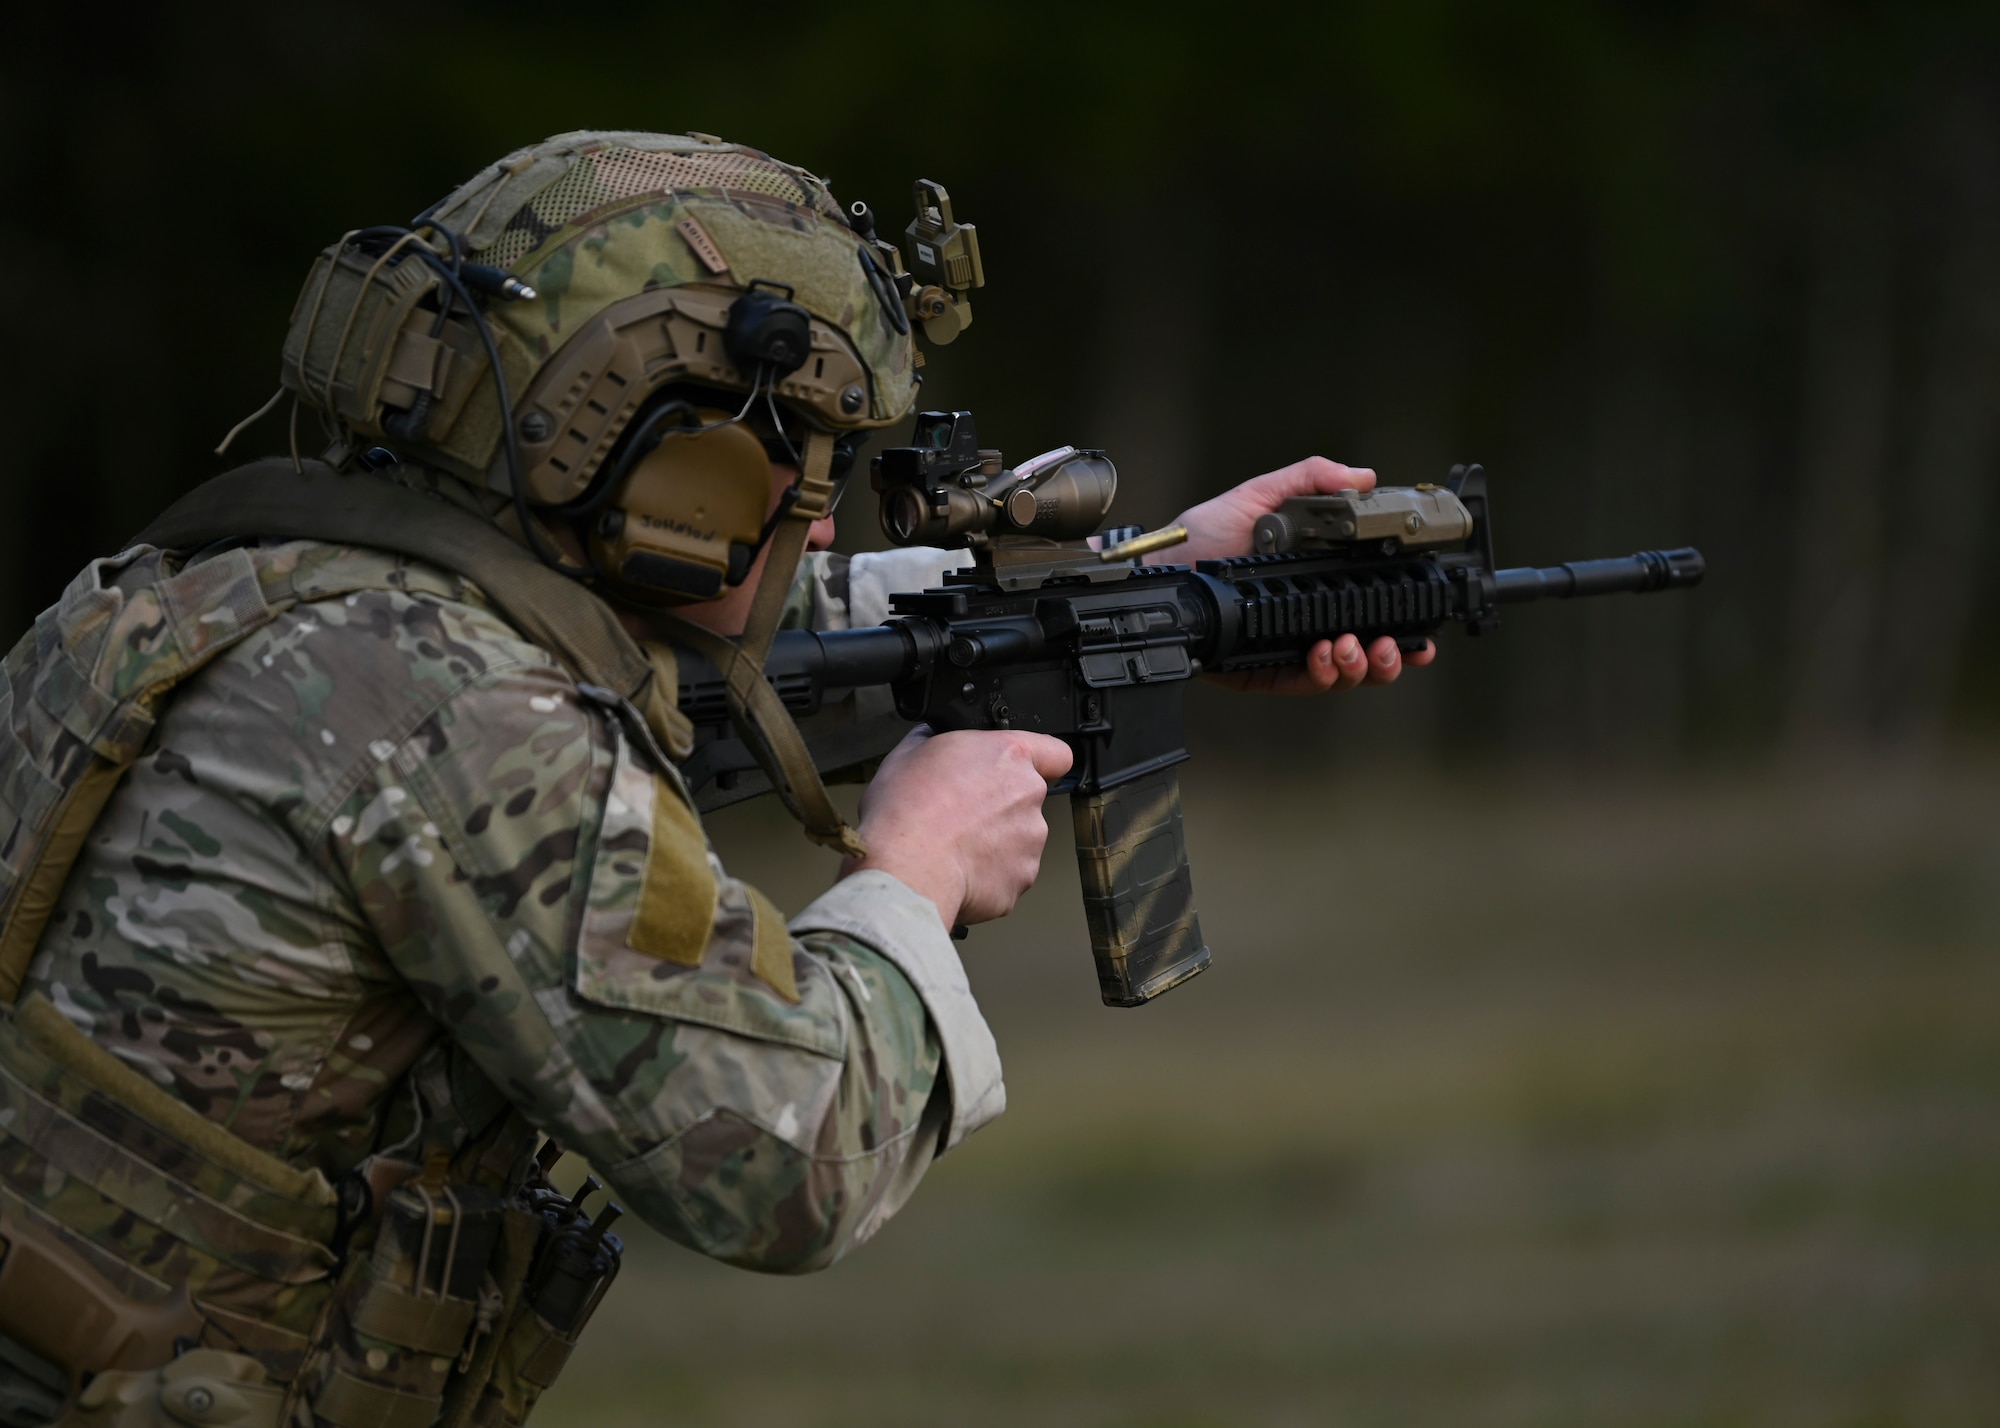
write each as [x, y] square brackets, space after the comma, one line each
[615, 175]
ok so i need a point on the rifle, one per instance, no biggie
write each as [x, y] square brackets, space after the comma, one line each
[1046, 634]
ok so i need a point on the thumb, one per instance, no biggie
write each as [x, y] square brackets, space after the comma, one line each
[1051, 756]
[911, 742]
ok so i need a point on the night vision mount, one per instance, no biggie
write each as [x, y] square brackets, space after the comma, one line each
[943, 266]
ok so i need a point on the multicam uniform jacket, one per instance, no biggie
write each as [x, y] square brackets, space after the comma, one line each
[385, 873]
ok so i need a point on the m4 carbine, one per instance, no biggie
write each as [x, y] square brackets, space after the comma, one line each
[1046, 634]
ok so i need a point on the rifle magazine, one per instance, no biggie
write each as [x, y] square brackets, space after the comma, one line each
[1138, 896]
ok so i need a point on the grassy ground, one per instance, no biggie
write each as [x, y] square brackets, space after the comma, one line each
[1665, 1103]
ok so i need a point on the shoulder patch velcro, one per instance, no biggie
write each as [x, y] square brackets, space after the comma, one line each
[772, 957]
[677, 897]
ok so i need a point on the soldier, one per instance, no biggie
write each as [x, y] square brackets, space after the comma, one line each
[351, 856]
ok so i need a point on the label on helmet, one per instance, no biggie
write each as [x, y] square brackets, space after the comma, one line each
[702, 245]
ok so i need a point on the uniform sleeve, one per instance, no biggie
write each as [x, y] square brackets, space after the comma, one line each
[767, 1095]
[851, 592]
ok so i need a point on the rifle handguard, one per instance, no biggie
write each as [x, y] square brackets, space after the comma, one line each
[1138, 897]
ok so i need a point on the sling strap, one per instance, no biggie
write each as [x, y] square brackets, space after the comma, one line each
[269, 498]
[760, 716]
[768, 731]
[812, 499]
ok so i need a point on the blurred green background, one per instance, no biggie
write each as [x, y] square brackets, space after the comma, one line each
[1604, 1024]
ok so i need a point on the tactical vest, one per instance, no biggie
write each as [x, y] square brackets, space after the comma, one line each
[157, 1269]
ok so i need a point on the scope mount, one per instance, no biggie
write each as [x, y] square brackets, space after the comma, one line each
[1026, 526]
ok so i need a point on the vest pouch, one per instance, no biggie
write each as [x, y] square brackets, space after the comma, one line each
[574, 1262]
[132, 1222]
[409, 1315]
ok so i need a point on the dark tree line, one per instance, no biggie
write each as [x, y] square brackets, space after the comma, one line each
[1720, 274]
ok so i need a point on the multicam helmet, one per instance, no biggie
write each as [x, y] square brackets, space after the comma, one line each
[667, 291]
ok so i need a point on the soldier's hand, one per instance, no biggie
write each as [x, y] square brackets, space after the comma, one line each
[1220, 528]
[958, 817]
[1331, 664]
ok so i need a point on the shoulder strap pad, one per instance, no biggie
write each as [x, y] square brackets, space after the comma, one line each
[269, 498]
[78, 697]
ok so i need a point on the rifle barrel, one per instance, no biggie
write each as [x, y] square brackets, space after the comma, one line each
[1647, 570]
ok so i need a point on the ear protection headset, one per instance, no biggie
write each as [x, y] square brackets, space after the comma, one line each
[681, 509]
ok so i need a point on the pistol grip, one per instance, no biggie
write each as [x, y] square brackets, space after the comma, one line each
[1138, 897]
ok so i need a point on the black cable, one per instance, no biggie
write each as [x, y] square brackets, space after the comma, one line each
[778, 425]
[457, 266]
[451, 237]
[640, 442]
[786, 501]
[410, 425]
[538, 540]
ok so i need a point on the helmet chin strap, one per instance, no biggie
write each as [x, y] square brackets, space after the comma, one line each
[814, 499]
[759, 714]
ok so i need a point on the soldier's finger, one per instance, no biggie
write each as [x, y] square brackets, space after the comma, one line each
[1330, 476]
[1423, 656]
[1316, 675]
[1385, 661]
[1319, 674]
[1351, 662]
[1314, 476]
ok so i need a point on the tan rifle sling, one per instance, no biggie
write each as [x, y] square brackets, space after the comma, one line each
[760, 715]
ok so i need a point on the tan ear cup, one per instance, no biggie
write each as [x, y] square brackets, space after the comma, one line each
[689, 517]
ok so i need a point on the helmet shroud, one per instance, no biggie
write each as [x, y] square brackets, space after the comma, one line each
[638, 248]
[638, 254]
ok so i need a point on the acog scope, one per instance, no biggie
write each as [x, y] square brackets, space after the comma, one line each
[945, 491]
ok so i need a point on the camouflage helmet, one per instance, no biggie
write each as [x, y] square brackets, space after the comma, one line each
[636, 262]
